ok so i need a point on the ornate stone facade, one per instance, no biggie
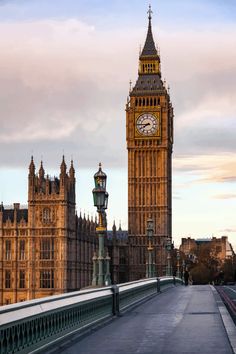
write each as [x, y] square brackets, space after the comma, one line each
[149, 135]
[46, 249]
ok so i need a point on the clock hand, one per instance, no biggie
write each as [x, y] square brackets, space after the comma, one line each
[144, 124]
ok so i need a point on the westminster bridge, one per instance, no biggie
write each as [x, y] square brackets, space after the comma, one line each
[153, 316]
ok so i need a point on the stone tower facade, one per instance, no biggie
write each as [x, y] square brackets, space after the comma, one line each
[51, 223]
[149, 135]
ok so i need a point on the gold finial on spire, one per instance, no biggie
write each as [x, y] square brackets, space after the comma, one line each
[149, 12]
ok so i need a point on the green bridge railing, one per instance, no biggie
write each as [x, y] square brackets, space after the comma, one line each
[32, 326]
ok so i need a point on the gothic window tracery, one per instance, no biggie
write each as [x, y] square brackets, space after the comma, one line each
[46, 215]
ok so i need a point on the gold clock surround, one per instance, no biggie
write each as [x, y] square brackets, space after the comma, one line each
[157, 134]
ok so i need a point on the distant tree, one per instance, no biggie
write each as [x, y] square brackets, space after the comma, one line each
[201, 274]
[228, 269]
[205, 266]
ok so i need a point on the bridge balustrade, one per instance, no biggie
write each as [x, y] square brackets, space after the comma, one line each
[31, 325]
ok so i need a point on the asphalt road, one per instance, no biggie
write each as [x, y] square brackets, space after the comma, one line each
[183, 320]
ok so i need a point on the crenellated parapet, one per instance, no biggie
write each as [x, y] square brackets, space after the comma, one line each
[43, 186]
[14, 216]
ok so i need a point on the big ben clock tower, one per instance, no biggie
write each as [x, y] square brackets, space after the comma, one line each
[149, 135]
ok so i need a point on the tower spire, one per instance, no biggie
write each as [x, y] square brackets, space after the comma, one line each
[149, 12]
[149, 46]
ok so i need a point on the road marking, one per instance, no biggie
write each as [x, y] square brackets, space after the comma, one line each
[230, 288]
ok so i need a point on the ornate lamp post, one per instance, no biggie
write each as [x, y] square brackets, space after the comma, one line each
[178, 265]
[101, 273]
[150, 264]
[168, 248]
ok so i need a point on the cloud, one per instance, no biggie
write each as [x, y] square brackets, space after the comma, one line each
[177, 197]
[207, 168]
[228, 230]
[63, 86]
[225, 196]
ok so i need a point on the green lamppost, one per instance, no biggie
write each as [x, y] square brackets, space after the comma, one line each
[150, 272]
[168, 248]
[178, 265]
[101, 273]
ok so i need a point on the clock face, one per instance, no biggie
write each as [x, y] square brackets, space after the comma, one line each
[147, 124]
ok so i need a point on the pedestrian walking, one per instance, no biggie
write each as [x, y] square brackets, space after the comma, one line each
[186, 277]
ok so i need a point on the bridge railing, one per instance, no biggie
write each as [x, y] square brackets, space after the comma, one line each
[31, 325]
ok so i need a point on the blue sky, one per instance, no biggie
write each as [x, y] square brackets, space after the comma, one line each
[186, 13]
[65, 67]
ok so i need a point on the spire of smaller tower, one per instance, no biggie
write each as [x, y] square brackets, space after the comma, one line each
[41, 170]
[114, 226]
[32, 166]
[149, 46]
[130, 86]
[63, 165]
[72, 170]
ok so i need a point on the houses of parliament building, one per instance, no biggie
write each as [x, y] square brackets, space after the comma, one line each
[47, 249]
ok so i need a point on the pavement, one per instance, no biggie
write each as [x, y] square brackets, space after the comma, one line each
[183, 320]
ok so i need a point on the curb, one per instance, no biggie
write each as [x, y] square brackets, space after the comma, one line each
[226, 318]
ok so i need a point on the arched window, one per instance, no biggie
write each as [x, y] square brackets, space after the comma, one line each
[155, 102]
[151, 102]
[143, 101]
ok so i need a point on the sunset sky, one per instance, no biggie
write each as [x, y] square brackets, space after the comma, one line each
[65, 67]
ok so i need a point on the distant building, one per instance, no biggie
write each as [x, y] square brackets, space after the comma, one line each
[220, 247]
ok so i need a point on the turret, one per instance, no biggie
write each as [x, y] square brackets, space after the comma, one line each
[41, 171]
[63, 177]
[48, 185]
[1, 215]
[41, 179]
[72, 171]
[31, 179]
[32, 167]
[114, 239]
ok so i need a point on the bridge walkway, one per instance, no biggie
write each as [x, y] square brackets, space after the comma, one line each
[183, 320]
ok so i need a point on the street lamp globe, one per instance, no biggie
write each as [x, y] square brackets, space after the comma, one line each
[99, 197]
[100, 178]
